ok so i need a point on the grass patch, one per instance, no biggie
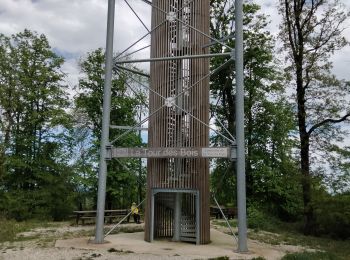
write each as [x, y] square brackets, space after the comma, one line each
[277, 232]
[10, 231]
[222, 222]
[10, 228]
[26, 238]
[121, 251]
[311, 256]
[220, 258]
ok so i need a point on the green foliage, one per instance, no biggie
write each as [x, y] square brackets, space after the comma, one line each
[337, 178]
[256, 218]
[311, 32]
[270, 169]
[223, 182]
[280, 232]
[84, 164]
[123, 175]
[310, 256]
[10, 228]
[54, 199]
[332, 215]
[33, 100]
[260, 217]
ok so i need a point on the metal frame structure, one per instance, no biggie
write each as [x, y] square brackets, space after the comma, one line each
[171, 102]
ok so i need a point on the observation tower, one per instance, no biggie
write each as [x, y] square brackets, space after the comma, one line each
[178, 187]
[178, 151]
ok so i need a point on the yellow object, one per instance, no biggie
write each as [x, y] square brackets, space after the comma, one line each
[134, 209]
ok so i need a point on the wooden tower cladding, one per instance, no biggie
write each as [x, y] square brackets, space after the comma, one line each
[181, 125]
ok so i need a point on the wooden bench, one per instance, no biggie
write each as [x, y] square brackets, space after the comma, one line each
[91, 214]
[230, 212]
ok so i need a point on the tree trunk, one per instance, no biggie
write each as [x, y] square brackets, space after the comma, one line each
[306, 185]
[304, 152]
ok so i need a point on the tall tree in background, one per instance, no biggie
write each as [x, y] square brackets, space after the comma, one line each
[268, 116]
[32, 102]
[122, 174]
[312, 32]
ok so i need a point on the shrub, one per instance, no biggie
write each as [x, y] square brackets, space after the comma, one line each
[310, 256]
[332, 215]
[256, 218]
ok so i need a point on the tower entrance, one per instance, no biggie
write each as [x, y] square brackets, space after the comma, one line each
[175, 215]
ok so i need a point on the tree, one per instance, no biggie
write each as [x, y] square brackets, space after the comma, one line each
[268, 115]
[311, 32]
[32, 101]
[122, 174]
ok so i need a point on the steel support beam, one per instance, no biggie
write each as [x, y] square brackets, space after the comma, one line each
[177, 217]
[131, 70]
[202, 56]
[198, 218]
[152, 216]
[102, 173]
[128, 128]
[241, 183]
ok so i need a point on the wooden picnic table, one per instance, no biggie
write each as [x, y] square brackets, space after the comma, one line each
[91, 214]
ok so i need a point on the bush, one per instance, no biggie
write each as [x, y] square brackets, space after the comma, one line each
[10, 228]
[44, 204]
[16, 205]
[332, 215]
[256, 217]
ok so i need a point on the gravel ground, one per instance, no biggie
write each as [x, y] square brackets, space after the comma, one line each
[39, 244]
[76, 254]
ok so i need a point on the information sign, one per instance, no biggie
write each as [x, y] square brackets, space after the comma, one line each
[173, 152]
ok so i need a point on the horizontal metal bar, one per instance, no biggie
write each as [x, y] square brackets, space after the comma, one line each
[134, 91]
[133, 52]
[147, 2]
[128, 128]
[175, 190]
[201, 56]
[144, 36]
[138, 125]
[232, 35]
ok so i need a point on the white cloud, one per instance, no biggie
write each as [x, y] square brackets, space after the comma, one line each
[71, 25]
[269, 8]
[71, 70]
[75, 27]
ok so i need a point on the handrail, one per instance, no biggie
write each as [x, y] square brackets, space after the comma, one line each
[121, 220]
[228, 224]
